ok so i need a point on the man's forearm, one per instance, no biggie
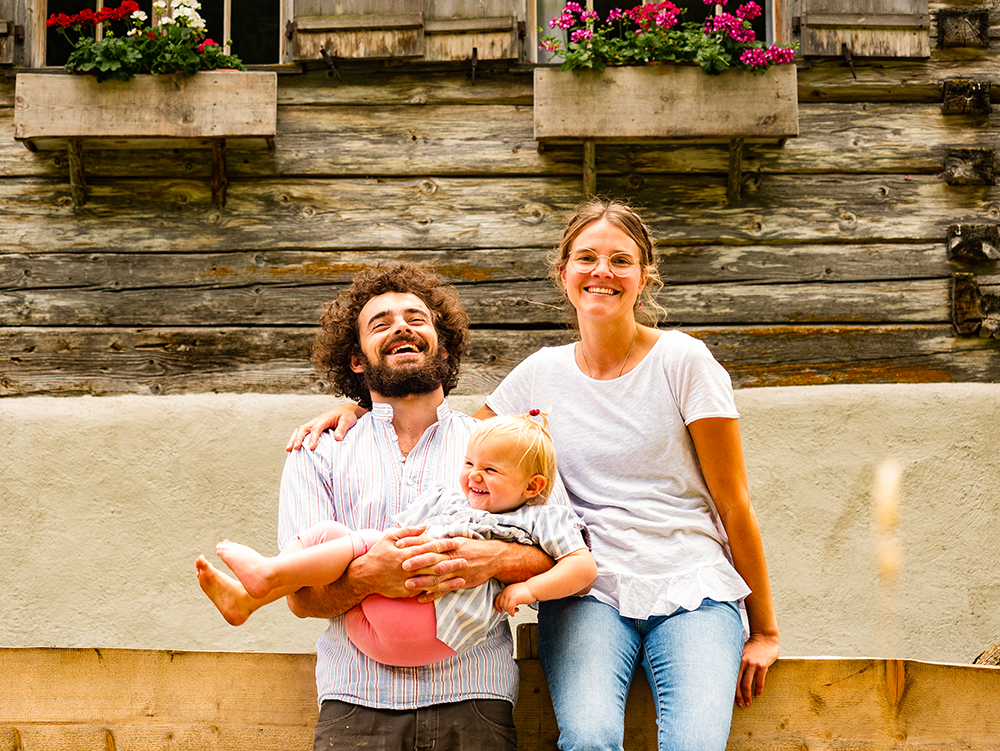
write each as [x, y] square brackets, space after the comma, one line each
[517, 563]
[328, 601]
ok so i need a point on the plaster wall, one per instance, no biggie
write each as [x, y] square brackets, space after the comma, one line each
[108, 501]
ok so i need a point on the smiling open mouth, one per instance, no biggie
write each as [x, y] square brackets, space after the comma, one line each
[407, 347]
[601, 291]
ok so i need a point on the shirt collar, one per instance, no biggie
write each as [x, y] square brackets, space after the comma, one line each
[383, 411]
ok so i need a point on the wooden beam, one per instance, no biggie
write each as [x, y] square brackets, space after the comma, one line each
[589, 169]
[735, 181]
[77, 173]
[219, 180]
[445, 213]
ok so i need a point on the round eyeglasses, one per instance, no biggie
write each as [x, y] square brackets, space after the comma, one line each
[621, 264]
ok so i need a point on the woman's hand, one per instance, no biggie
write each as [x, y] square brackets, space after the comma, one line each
[342, 418]
[759, 654]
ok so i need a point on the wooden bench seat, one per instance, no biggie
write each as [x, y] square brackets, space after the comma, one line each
[155, 700]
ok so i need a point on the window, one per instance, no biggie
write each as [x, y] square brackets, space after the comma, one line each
[254, 26]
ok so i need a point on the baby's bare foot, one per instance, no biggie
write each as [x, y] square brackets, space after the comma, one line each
[225, 592]
[249, 566]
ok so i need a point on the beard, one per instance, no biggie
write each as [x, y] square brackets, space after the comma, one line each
[396, 381]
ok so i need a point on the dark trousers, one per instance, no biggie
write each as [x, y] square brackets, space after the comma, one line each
[472, 725]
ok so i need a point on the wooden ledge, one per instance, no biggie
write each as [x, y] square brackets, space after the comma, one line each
[147, 700]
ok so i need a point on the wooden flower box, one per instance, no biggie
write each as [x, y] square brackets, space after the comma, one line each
[658, 102]
[209, 109]
[663, 103]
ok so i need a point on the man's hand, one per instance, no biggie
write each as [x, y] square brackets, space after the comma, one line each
[473, 562]
[388, 566]
[381, 571]
[431, 563]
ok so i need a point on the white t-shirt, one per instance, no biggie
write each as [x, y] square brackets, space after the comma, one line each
[629, 465]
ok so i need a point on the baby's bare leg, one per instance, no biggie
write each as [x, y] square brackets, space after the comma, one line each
[314, 566]
[228, 595]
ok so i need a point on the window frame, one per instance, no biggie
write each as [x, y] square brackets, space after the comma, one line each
[31, 15]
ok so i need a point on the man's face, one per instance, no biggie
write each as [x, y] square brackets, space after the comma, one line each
[399, 346]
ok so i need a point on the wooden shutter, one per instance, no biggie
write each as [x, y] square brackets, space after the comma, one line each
[865, 28]
[454, 28]
[6, 32]
[358, 28]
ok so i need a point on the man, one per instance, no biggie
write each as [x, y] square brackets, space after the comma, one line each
[393, 342]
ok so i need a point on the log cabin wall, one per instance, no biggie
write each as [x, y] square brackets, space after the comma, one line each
[832, 267]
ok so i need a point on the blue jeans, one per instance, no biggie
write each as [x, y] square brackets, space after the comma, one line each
[691, 659]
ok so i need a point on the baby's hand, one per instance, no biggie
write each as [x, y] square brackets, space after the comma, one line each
[512, 596]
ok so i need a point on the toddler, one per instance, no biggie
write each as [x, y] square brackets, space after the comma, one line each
[507, 476]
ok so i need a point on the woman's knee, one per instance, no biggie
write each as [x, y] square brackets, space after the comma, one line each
[591, 732]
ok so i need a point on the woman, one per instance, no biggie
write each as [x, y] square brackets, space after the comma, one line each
[648, 441]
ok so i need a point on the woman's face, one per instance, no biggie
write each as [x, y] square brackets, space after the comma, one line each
[611, 287]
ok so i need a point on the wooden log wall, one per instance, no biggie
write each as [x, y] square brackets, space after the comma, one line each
[833, 267]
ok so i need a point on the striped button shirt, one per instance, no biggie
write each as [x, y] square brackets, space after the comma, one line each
[362, 482]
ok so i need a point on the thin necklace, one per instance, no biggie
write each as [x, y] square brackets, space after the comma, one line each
[583, 350]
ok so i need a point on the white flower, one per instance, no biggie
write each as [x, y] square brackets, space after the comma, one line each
[134, 32]
[159, 6]
[166, 21]
[138, 15]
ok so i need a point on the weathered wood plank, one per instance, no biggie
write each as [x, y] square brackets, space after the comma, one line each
[450, 213]
[829, 79]
[125, 685]
[820, 79]
[679, 264]
[7, 87]
[383, 84]
[102, 361]
[319, 141]
[861, 138]
[534, 303]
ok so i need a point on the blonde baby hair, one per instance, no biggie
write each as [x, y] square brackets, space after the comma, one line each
[528, 434]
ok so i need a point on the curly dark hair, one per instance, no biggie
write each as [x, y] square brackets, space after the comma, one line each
[339, 337]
